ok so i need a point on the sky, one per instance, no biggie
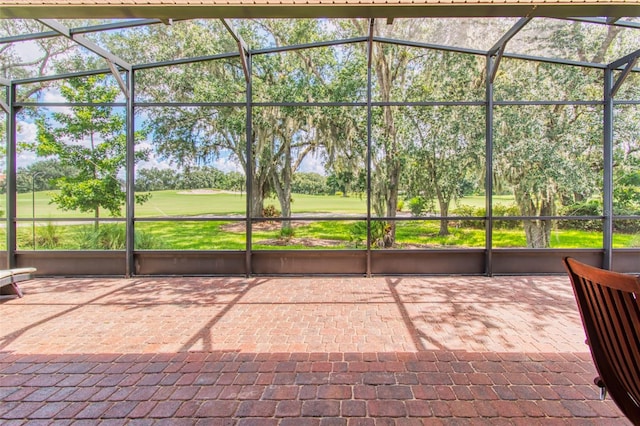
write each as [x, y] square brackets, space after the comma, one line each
[27, 130]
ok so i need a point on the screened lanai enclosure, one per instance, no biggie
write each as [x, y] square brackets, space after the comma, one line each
[386, 146]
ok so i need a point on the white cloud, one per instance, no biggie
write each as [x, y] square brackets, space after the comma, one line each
[153, 163]
[29, 51]
[27, 131]
[227, 165]
[54, 96]
[312, 163]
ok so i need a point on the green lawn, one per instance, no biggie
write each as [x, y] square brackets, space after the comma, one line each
[187, 203]
[184, 203]
[230, 235]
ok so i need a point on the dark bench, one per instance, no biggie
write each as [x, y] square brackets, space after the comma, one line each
[9, 279]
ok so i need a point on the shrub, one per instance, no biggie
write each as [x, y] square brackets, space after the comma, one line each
[380, 234]
[47, 237]
[105, 237]
[626, 226]
[499, 210]
[586, 208]
[146, 241]
[287, 232]
[400, 205]
[417, 205]
[358, 233]
[466, 210]
[270, 211]
[508, 210]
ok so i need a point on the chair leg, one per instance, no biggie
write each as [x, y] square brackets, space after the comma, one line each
[603, 389]
[16, 289]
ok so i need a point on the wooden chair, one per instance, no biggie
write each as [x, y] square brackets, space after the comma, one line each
[610, 311]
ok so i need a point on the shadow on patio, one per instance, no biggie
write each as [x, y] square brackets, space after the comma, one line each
[298, 351]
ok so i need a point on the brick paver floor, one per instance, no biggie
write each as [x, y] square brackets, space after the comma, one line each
[297, 351]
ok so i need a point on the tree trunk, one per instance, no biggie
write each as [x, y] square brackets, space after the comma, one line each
[538, 233]
[394, 170]
[282, 185]
[444, 223]
[257, 198]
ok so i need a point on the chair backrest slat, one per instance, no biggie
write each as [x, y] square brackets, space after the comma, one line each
[610, 312]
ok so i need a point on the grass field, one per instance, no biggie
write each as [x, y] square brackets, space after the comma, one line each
[230, 235]
[185, 203]
[194, 203]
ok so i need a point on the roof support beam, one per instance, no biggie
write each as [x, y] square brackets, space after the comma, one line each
[623, 76]
[3, 105]
[508, 36]
[624, 61]
[80, 30]
[497, 51]
[494, 63]
[84, 42]
[242, 47]
[628, 62]
[121, 83]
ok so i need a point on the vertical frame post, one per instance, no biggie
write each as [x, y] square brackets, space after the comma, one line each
[369, 142]
[11, 177]
[607, 184]
[130, 268]
[249, 176]
[491, 63]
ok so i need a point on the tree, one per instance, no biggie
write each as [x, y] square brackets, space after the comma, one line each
[40, 176]
[190, 137]
[446, 151]
[547, 153]
[155, 179]
[281, 137]
[446, 145]
[91, 140]
[395, 70]
[284, 136]
[43, 54]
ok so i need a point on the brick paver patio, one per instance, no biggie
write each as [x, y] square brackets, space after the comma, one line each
[297, 351]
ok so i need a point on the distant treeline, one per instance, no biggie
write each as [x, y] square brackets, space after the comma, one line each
[42, 176]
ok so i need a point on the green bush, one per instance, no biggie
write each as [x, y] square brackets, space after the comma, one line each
[105, 237]
[146, 241]
[270, 211]
[400, 205]
[380, 234]
[417, 206]
[287, 232]
[358, 234]
[626, 226]
[586, 208]
[499, 210]
[466, 210]
[47, 237]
